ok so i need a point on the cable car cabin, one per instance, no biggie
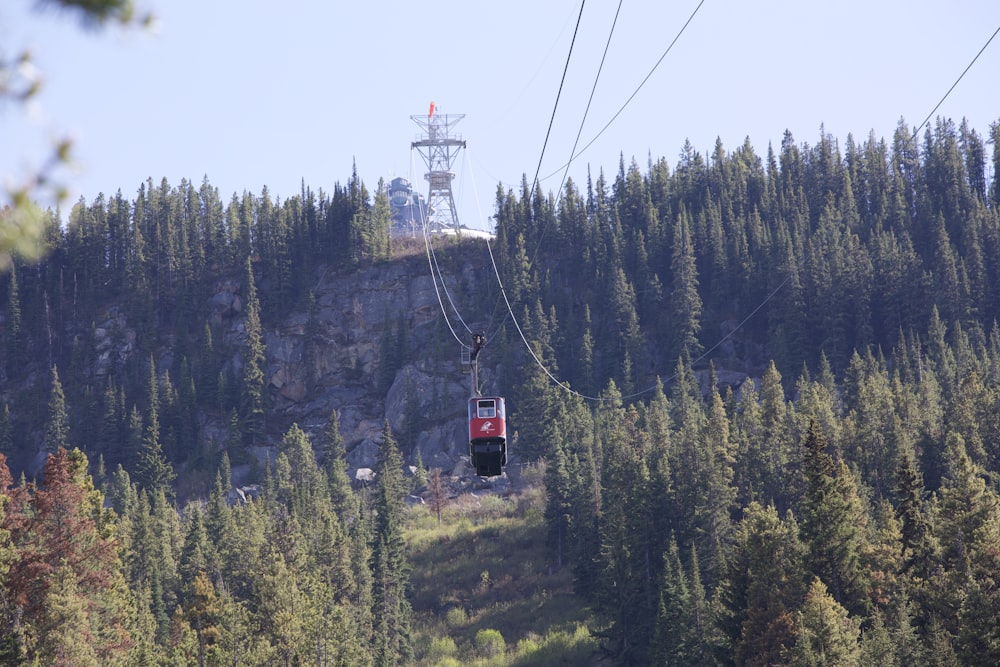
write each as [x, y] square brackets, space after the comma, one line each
[487, 435]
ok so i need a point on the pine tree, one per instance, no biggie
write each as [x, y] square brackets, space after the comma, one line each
[626, 335]
[587, 380]
[627, 580]
[14, 335]
[869, 427]
[164, 539]
[153, 471]
[684, 621]
[832, 522]
[917, 540]
[218, 519]
[877, 646]
[661, 460]
[558, 500]
[685, 302]
[6, 434]
[254, 378]
[283, 610]
[305, 474]
[64, 625]
[978, 641]
[195, 553]
[375, 235]
[968, 527]
[671, 645]
[717, 495]
[335, 465]
[391, 610]
[204, 613]
[538, 400]
[583, 458]
[57, 425]
[940, 646]
[779, 452]
[66, 581]
[764, 587]
[826, 633]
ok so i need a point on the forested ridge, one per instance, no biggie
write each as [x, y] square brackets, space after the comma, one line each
[839, 506]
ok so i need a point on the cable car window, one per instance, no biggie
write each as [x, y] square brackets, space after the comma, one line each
[487, 410]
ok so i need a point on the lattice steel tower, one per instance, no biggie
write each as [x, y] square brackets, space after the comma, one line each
[439, 148]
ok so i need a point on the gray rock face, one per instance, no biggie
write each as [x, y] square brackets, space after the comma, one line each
[376, 347]
[336, 361]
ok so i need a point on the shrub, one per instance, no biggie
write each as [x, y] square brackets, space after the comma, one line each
[441, 648]
[527, 646]
[490, 643]
[493, 507]
[456, 618]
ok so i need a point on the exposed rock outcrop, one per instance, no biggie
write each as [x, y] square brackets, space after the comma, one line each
[336, 360]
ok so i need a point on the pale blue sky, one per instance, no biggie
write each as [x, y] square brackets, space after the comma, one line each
[254, 93]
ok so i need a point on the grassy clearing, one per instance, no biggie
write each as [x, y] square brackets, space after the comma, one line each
[483, 592]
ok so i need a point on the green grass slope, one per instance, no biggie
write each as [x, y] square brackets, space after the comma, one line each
[483, 592]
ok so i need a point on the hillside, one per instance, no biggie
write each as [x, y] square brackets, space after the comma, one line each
[370, 344]
[486, 569]
[756, 398]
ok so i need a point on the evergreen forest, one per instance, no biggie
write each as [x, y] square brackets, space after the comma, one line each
[760, 395]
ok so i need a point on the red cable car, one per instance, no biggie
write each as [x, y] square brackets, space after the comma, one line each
[487, 435]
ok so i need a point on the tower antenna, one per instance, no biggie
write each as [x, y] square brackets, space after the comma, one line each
[439, 148]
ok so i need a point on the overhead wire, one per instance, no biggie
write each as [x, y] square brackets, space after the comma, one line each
[590, 99]
[555, 106]
[632, 96]
[562, 81]
[438, 276]
[575, 155]
[515, 101]
[503, 291]
[648, 389]
[444, 312]
[583, 121]
[479, 209]
[960, 77]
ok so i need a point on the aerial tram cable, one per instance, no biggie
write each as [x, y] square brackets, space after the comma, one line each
[440, 276]
[503, 292]
[436, 276]
[437, 291]
[583, 121]
[487, 426]
[630, 98]
[590, 100]
[515, 101]
[486, 414]
[567, 388]
[770, 296]
[573, 154]
[479, 210]
[555, 106]
[960, 77]
[513, 318]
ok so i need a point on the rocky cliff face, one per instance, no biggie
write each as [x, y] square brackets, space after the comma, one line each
[332, 358]
[336, 362]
